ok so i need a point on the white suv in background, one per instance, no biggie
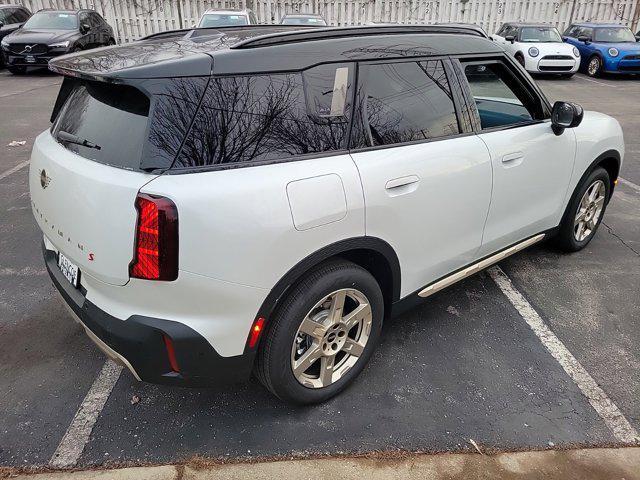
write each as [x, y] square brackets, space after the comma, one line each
[539, 48]
[261, 201]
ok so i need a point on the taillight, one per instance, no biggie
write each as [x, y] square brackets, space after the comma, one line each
[156, 251]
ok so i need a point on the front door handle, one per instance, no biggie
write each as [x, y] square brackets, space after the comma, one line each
[512, 159]
[402, 185]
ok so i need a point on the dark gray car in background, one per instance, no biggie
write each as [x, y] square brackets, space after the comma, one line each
[51, 33]
[12, 17]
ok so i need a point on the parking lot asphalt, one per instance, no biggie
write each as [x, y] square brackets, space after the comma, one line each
[463, 366]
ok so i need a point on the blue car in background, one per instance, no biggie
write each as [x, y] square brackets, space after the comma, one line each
[604, 47]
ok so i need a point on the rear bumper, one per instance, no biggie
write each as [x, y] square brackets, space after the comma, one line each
[138, 342]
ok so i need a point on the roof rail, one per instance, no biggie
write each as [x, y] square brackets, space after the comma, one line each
[212, 30]
[315, 33]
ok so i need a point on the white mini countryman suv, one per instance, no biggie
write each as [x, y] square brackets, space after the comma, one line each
[217, 202]
[539, 48]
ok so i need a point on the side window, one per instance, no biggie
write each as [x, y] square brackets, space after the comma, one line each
[501, 31]
[270, 117]
[96, 20]
[587, 32]
[408, 101]
[252, 17]
[500, 97]
[571, 31]
[83, 18]
[12, 16]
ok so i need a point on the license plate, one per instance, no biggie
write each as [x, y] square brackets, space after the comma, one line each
[68, 269]
[30, 59]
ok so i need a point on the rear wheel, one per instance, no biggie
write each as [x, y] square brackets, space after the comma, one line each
[585, 211]
[594, 67]
[323, 335]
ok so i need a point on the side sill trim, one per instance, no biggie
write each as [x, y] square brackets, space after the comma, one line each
[476, 267]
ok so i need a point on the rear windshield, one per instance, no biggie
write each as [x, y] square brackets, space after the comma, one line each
[222, 20]
[110, 120]
[303, 21]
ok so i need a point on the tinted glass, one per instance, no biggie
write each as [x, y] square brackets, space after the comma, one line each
[270, 117]
[499, 98]
[222, 20]
[539, 34]
[408, 101]
[614, 35]
[22, 15]
[53, 21]
[113, 117]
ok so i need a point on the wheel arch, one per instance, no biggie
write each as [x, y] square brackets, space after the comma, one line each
[371, 253]
[610, 160]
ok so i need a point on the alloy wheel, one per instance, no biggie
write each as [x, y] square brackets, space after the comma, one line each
[589, 211]
[331, 338]
[594, 66]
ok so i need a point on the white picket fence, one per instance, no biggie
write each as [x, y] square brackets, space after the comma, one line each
[133, 19]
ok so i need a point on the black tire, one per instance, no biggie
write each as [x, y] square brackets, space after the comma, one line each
[595, 59]
[273, 365]
[566, 238]
[111, 42]
[17, 70]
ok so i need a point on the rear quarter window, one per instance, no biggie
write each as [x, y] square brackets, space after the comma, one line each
[258, 118]
[111, 116]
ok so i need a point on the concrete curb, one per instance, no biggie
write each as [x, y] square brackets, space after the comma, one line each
[585, 464]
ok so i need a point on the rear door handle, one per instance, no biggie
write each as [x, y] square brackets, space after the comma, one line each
[512, 159]
[402, 185]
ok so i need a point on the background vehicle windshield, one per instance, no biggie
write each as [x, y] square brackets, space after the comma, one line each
[53, 21]
[303, 21]
[222, 20]
[540, 34]
[613, 35]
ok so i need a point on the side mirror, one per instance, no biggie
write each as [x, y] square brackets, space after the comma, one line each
[584, 39]
[510, 38]
[85, 28]
[565, 115]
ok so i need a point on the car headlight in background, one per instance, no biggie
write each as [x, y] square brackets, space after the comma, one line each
[533, 52]
[576, 52]
[613, 52]
[60, 45]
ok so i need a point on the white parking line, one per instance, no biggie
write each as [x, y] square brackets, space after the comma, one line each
[595, 81]
[77, 435]
[14, 169]
[601, 403]
[629, 184]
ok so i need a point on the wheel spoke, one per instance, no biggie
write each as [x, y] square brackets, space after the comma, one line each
[593, 191]
[580, 214]
[580, 231]
[361, 312]
[313, 329]
[326, 370]
[599, 202]
[352, 347]
[337, 306]
[307, 359]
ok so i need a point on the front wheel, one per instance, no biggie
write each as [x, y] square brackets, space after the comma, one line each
[585, 211]
[323, 335]
[594, 67]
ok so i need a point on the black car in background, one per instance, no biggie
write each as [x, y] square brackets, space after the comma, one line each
[12, 17]
[50, 33]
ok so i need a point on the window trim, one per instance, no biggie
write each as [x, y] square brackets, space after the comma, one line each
[453, 84]
[515, 70]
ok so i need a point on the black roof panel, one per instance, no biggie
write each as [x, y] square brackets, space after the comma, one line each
[230, 50]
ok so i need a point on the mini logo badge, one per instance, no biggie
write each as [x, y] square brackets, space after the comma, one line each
[44, 179]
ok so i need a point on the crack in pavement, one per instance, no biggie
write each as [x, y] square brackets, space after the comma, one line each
[621, 239]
